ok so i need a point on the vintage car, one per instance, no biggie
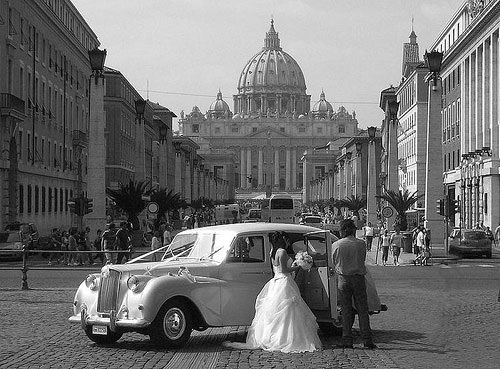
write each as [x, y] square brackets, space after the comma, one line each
[208, 277]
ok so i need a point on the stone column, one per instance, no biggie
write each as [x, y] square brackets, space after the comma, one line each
[249, 167]
[187, 184]
[261, 168]
[140, 154]
[434, 165]
[277, 168]
[178, 172]
[486, 93]
[96, 165]
[294, 168]
[371, 191]
[287, 170]
[494, 87]
[479, 99]
[243, 168]
[196, 194]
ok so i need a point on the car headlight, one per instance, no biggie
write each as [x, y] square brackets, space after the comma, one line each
[133, 283]
[92, 282]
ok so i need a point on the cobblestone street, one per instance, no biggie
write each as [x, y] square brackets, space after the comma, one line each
[438, 317]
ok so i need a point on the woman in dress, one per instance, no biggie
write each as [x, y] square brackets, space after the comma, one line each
[282, 322]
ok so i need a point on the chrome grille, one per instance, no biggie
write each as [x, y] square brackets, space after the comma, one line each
[108, 291]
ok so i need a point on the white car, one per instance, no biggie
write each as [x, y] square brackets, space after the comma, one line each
[208, 277]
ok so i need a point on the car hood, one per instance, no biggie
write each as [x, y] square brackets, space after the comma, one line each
[174, 266]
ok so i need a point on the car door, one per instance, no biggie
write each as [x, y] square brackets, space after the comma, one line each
[318, 286]
[244, 272]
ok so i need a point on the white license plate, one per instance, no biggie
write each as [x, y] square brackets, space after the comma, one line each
[100, 330]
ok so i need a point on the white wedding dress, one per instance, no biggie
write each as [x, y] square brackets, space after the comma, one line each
[283, 321]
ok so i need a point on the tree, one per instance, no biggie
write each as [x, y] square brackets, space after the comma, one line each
[401, 201]
[168, 202]
[129, 198]
[335, 204]
[354, 204]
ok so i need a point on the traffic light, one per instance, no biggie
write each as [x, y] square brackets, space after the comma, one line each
[88, 205]
[440, 207]
[79, 206]
[456, 206]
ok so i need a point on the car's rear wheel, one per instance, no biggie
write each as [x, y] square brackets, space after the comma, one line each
[110, 337]
[172, 326]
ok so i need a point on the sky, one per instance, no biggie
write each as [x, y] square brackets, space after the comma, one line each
[179, 53]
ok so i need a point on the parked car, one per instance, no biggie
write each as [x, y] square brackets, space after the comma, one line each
[254, 215]
[208, 277]
[312, 220]
[464, 242]
[28, 231]
[10, 241]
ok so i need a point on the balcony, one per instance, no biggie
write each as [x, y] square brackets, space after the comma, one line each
[80, 139]
[11, 105]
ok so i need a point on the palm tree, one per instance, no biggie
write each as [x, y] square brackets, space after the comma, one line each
[129, 198]
[401, 201]
[335, 204]
[168, 202]
[354, 204]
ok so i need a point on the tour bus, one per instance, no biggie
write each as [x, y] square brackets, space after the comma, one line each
[225, 214]
[278, 208]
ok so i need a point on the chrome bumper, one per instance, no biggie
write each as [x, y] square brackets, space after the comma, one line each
[112, 321]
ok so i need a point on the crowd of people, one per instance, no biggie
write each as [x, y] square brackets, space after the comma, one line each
[75, 248]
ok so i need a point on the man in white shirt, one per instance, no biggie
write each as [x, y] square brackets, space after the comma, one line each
[368, 235]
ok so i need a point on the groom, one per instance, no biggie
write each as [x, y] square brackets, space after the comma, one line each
[349, 261]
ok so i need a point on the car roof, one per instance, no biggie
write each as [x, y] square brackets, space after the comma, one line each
[255, 227]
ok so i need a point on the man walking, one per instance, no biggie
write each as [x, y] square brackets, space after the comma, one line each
[122, 243]
[368, 235]
[349, 255]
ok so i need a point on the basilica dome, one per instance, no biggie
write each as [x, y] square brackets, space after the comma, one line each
[322, 108]
[219, 108]
[272, 67]
[274, 74]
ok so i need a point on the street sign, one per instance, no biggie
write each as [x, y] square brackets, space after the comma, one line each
[387, 212]
[153, 208]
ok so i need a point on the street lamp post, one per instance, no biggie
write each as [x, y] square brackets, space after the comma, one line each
[140, 155]
[96, 166]
[371, 201]
[434, 167]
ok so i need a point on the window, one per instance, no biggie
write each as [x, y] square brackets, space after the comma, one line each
[282, 129]
[341, 128]
[302, 129]
[195, 128]
[319, 130]
[29, 199]
[21, 199]
[235, 129]
[254, 129]
[247, 249]
[37, 199]
[55, 200]
[217, 130]
[43, 199]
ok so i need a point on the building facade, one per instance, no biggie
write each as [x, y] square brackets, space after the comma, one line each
[44, 116]
[470, 117]
[258, 148]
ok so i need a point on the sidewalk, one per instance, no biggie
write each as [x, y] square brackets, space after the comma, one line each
[406, 258]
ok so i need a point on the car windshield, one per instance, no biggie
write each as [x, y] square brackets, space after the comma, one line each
[201, 245]
[474, 235]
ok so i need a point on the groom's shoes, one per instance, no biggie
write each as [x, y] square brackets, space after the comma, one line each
[345, 345]
[370, 346]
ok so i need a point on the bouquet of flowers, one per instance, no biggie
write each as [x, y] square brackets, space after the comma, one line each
[303, 260]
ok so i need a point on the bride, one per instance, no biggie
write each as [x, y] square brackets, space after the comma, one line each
[282, 322]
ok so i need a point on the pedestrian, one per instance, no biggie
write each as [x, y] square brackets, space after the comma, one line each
[97, 246]
[396, 245]
[108, 242]
[385, 242]
[72, 247]
[368, 235]
[122, 243]
[155, 244]
[55, 245]
[167, 235]
[489, 234]
[64, 248]
[88, 247]
[349, 255]
[497, 232]
[420, 244]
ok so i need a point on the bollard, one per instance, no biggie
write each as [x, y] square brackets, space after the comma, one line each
[24, 270]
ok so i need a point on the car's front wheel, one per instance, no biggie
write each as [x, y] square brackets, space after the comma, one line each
[110, 337]
[172, 326]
